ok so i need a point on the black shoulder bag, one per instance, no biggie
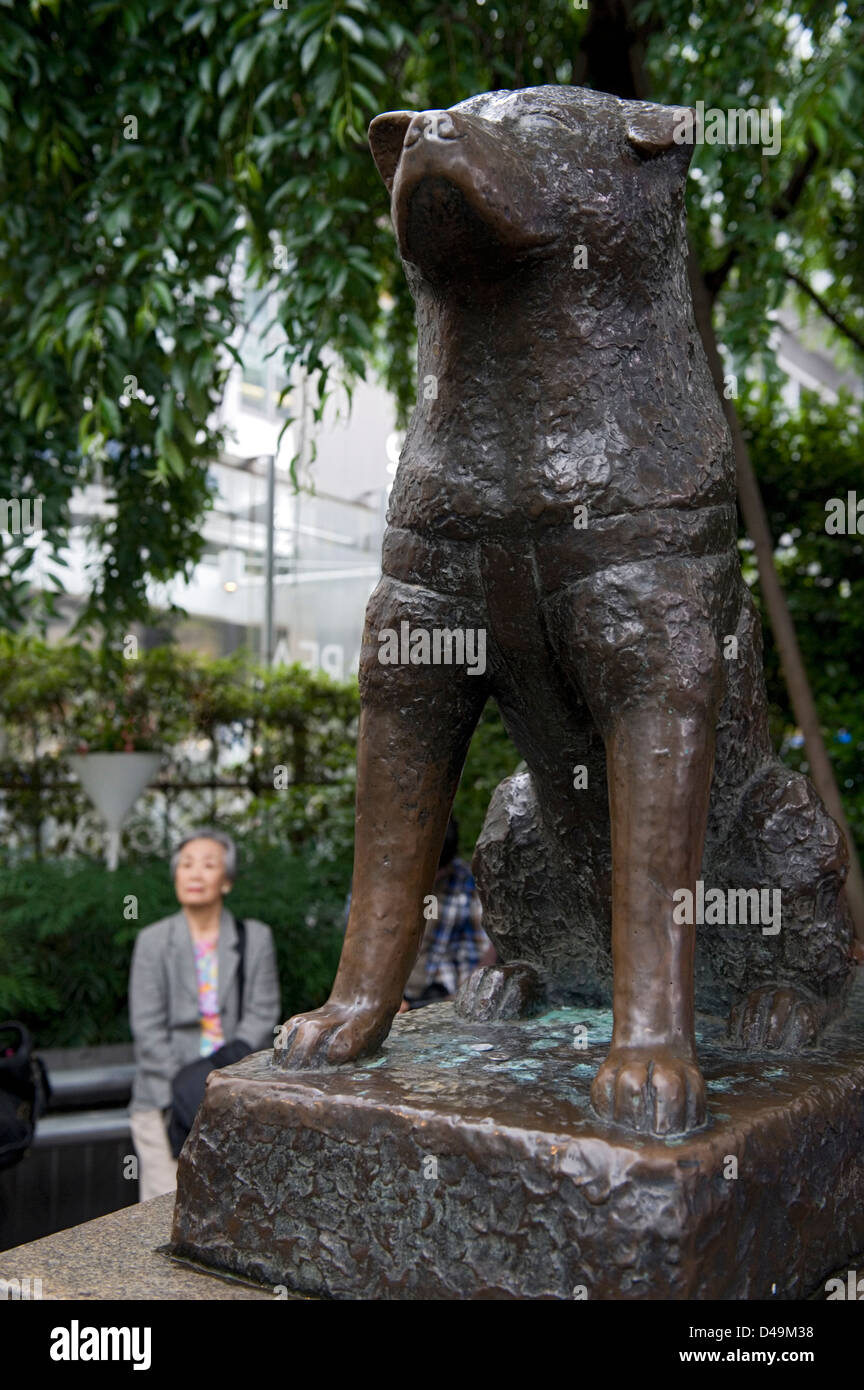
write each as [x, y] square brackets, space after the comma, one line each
[24, 1092]
[187, 1088]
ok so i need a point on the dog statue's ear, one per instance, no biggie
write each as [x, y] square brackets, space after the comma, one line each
[386, 133]
[654, 130]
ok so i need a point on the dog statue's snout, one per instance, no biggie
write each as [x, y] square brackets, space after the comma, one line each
[431, 125]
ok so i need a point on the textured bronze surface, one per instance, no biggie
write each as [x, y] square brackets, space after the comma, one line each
[466, 1162]
[567, 488]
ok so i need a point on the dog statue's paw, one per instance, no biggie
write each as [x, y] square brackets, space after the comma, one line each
[653, 1090]
[775, 1017]
[332, 1034]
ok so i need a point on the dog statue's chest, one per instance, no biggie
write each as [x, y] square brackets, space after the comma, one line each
[473, 473]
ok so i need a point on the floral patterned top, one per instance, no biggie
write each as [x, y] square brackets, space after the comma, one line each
[207, 969]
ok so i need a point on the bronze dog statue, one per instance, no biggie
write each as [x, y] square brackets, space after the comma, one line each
[567, 489]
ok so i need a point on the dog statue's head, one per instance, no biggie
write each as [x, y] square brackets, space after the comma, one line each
[509, 177]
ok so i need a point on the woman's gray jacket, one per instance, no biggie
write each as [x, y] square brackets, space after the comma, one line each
[163, 1000]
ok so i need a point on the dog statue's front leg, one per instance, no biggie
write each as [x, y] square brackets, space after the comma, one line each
[659, 768]
[403, 801]
[415, 726]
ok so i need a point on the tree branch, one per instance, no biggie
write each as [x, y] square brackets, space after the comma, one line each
[780, 209]
[825, 309]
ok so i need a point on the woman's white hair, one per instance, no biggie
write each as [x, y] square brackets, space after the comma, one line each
[207, 834]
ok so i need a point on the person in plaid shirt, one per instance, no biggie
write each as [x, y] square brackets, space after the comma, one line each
[454, 942]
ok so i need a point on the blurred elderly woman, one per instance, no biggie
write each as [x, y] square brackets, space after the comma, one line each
[184, 990]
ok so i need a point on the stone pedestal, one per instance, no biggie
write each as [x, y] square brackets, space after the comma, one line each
[465, 1162]
[119, 1257]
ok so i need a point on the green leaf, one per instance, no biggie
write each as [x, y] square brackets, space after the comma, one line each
[174, 458]
[225, 83]
[376, 39]
[145, 319]
[212, 214]
[820, 135]
[166, 411]
[116, 322]
[268, 93]
[150, 98]
[365, 96]
[227, 118]
[132, 260]
[111, 416]
[366, 65]
[187, 428]
[309, 51]
[355, 360]
[361, 329]
[30, 113]
[77, 321]
[243, 59]
[163, 294]
[193, 21]
[79, 360]
[28, 405]
[324, 84]
[196, 106]
[350, 27]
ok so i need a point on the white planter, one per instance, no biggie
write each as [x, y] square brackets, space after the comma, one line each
[114, 782]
